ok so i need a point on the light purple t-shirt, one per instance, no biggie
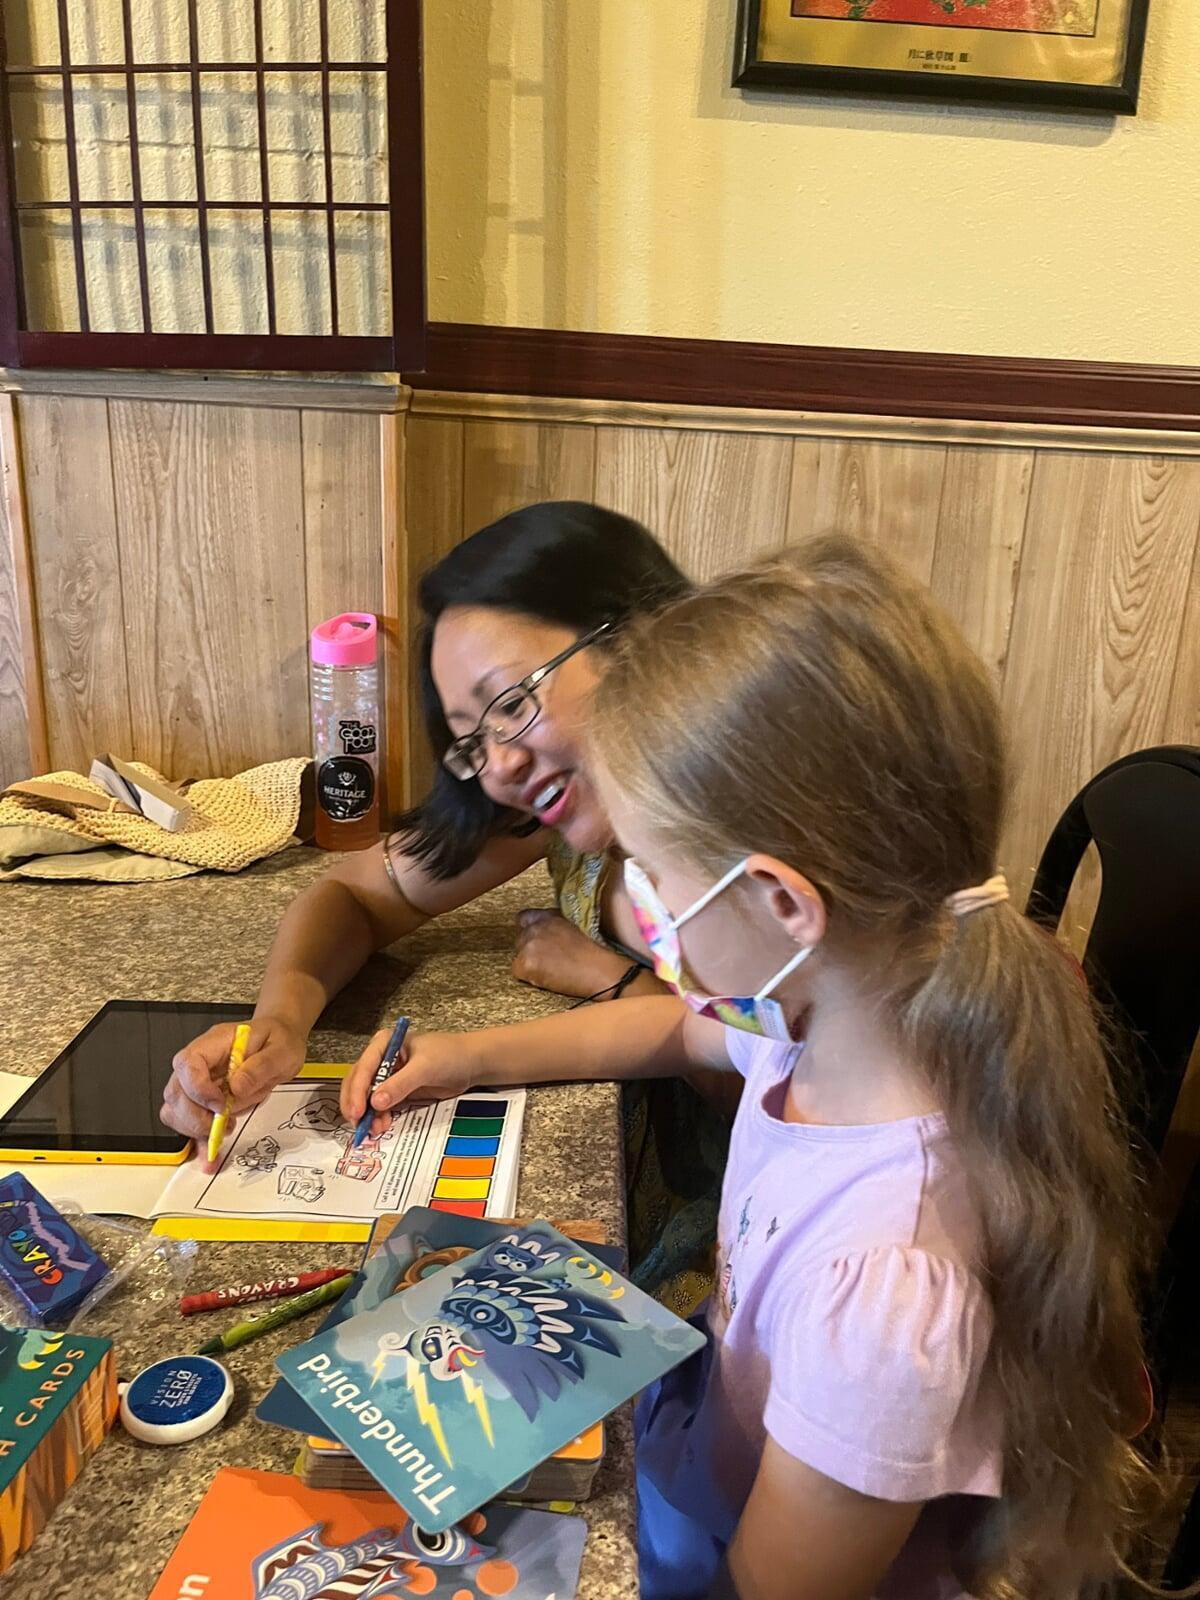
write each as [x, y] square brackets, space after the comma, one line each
[849, 1322]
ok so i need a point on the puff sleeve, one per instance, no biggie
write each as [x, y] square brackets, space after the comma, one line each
[879, 1375]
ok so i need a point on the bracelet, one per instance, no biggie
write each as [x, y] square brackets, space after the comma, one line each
[389, 866]
[614, 990]
[619, 988]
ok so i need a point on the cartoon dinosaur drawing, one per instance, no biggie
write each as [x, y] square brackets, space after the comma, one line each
[526, 1335]
[262, 1155]
[322, 1114]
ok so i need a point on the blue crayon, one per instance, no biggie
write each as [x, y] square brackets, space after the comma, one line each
[382, 1073]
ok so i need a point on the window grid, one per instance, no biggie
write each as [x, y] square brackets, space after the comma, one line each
[20, 345]
[139, 218]
[68, 84]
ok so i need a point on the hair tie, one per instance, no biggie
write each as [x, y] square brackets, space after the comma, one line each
[964, 901]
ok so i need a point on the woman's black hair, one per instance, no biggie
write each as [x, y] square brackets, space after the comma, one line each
[564, 562]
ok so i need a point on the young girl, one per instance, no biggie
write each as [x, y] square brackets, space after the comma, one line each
[924, 1349]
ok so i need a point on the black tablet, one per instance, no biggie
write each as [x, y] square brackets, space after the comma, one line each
[99, 1099]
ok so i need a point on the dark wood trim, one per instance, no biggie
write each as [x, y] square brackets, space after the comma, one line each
[469, 358]
[12, 298]
[224, 352]
[406, 180]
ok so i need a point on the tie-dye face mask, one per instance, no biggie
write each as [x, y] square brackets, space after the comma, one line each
[752, 1013]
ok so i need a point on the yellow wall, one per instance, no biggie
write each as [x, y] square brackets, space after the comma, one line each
[590, 167]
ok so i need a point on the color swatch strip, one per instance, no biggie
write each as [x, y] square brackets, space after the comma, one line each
[468, 1164]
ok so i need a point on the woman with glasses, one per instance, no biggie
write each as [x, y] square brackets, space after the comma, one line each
[515, 622]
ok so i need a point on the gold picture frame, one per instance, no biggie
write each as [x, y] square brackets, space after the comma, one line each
[1077, 54]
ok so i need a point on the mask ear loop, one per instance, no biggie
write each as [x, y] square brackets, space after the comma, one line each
[722, 884]
[801, 955]
[673, 924]
[710, 894]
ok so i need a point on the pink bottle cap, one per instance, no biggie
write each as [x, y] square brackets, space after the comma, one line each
[345, 641]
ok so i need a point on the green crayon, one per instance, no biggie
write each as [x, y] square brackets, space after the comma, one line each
[287, 1311]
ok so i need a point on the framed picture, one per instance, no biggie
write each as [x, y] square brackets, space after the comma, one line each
[1085, 54]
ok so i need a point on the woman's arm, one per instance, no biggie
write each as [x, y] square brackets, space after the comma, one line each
[355, 909]
[644, 1038]
[804, 1537]
[326, 935]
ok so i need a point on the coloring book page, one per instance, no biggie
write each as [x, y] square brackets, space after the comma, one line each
[293, 1157]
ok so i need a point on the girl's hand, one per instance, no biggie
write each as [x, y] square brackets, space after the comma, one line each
[196, 1089]
[432, 1066]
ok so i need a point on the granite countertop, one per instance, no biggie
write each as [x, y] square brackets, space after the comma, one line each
[71, 947]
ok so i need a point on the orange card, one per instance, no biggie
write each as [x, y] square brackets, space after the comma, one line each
[264, 1536]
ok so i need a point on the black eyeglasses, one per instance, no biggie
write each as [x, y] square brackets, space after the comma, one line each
[507, 716]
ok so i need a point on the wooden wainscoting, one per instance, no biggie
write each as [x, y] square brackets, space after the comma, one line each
[168, 541]
[1070, 557]
[22, 715]
[182, 536]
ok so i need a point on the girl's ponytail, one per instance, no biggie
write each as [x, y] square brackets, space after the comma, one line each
[1007, 1033]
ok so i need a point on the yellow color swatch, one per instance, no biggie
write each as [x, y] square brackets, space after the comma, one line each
[461, 1189]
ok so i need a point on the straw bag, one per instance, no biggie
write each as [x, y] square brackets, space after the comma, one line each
[232, 822]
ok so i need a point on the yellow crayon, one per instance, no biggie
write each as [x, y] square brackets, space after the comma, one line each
[236, 1056]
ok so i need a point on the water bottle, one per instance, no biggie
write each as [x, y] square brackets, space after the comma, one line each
[345, 713]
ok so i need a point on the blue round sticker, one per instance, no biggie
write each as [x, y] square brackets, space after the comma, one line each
[176, 1399]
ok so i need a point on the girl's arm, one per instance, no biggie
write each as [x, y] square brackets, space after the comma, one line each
[804, 1537]
[654, 1037]
[326, 936]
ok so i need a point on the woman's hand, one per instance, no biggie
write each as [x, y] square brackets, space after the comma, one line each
[553, 954]
[432, 1066]
[196, 1090]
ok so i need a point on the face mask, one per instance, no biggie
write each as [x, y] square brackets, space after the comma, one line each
[752, 1013]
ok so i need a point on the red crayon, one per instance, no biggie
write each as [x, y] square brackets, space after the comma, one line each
[241, 1294]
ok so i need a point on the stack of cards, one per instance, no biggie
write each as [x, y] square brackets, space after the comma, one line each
[405, 1251]
[472, 1377]
[569, 1474]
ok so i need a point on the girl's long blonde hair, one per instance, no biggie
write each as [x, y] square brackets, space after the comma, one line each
[821, 709]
